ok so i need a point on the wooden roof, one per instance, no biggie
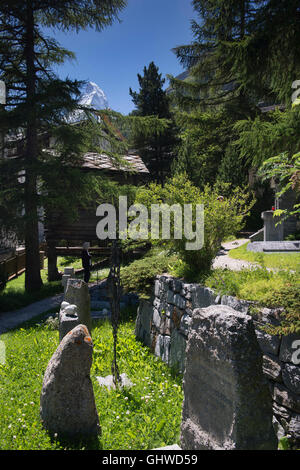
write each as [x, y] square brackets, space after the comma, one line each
[96, 161]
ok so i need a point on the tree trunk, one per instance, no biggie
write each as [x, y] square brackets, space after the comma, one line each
[53, 274]
[33, 280]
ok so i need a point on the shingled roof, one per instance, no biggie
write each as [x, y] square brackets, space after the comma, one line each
[96, 161]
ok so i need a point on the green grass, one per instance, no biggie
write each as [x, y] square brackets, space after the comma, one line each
[146, 416]
[270, 260]
[250, 284]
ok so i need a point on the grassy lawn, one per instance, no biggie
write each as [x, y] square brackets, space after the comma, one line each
[146, 416]
[270, 260]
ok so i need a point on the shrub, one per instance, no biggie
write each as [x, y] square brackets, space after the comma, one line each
[222, 216]
[289, 298]
[139, 275]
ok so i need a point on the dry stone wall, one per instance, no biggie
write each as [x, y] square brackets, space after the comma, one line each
[163, 324]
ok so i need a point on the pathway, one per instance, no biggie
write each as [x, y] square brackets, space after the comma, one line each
[10, 320]
[223, 260]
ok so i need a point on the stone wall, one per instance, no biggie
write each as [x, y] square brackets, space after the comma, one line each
[163, 324]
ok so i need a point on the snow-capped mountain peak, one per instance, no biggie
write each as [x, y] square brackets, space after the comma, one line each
[93, 97]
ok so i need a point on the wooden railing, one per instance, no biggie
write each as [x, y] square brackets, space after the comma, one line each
[15, 265]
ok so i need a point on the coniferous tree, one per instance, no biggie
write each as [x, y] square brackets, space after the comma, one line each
[37, 104]
[244, 53]
[241, 48]
[156, 145]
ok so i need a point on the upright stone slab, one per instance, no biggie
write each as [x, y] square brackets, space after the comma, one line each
[67, 404]
[68, 319]
[77, 293]
[273, 231]
[227, 403]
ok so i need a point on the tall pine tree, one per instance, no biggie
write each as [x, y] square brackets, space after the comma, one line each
[156, 147]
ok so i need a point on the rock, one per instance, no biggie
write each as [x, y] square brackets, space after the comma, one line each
[281, 412]
[67, 404]
[170, 297]
[64, 280]
[177, 351]
[286, 349]
[179, 301]
[286, 398]
[278, 428]
[176, 285]
[294, 428]
[162, 348]
[157, 288]
[68, 319]
[269, 344]
[291, 377]
[272, 367]
[237, 304]
[202, 296]
[185, 324]
[143, 322]
[77, 293]
[227, 403]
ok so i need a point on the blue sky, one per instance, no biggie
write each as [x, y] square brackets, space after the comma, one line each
[112, 58]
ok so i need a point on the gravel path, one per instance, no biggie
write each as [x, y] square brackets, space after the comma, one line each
[223, 260]
[10, 320]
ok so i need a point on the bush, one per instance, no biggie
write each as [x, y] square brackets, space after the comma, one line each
[222, 216]
[139, 275]
[289, 298]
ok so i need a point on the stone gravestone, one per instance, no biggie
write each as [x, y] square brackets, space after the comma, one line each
[68, 274]
[68, 319]
[67, 404]
[273, 231]
[77, 293]
[227, 403]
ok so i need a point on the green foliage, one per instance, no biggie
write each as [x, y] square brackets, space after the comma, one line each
[284, 444]
[286, 171]
[241, 49]
[155, 148]
[265, 288]
[151, 100]
[222, 218]
[204, 137]
[269, 134]
[255, 284]
[289, 298]
[140, 274]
